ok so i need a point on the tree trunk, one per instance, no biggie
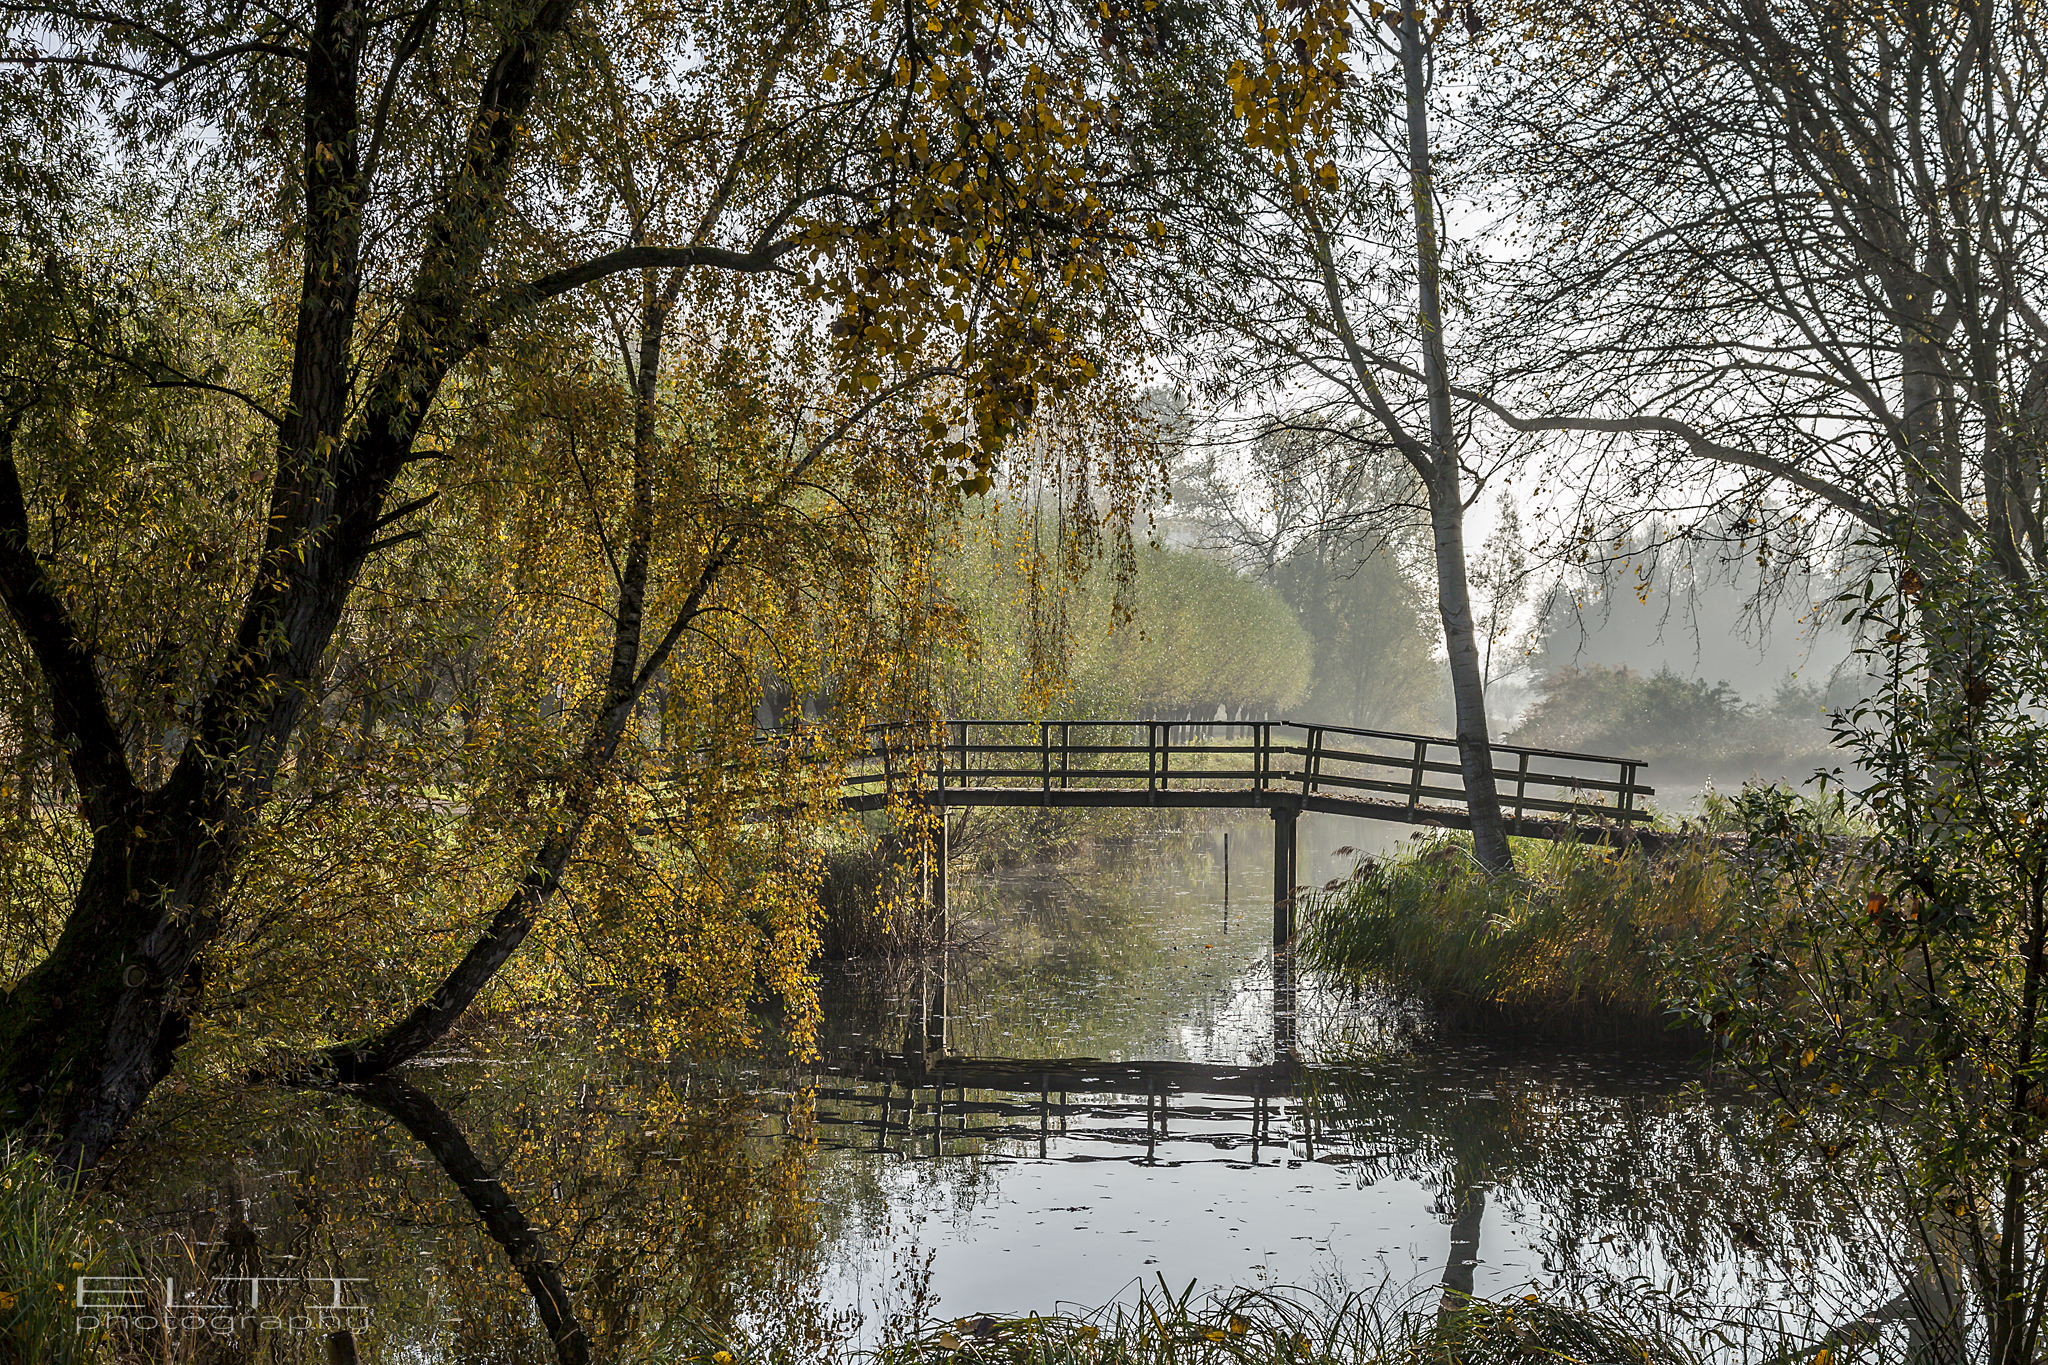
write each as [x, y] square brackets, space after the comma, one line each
[93, 1028]
[96, 1024]
[1445, 486]
[429, 1022]
[1468, 687]
[87, 1034]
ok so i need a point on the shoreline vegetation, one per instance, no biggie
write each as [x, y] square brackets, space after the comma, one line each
[1575, 945]
[1294, 1326]
[1569, 946]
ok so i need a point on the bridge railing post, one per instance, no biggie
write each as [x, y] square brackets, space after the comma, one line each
[1415, 776]
[1521, 788]
[1044, 756]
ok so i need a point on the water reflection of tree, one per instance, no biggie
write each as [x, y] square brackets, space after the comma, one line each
[666, 1203]
[1623, 1163]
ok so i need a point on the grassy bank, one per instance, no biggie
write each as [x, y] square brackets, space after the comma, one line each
[1569, 946]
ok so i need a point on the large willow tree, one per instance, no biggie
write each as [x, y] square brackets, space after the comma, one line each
[406, 481]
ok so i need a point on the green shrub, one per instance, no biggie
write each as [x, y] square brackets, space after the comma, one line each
[1829, 815]
[1572, 944]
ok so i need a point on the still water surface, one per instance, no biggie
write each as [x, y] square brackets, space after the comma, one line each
[674, 1195]
[1571, 1168]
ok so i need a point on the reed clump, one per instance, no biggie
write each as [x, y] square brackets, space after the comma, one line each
[46, 1242]
[1574, 943]
[874, 902]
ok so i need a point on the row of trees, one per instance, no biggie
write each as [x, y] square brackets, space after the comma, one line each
[1196, 637]
[1768, 268]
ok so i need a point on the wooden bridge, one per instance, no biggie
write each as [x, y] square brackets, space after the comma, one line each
[1279, 766]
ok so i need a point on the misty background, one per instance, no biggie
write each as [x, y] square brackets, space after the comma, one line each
[1289, 577]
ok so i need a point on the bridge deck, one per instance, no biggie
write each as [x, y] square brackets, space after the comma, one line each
[1245, 765]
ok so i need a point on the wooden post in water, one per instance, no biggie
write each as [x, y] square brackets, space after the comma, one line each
[939, 853]
[935, 1014]
[1044, 1110]
[1286, 1041]
[1283, 876]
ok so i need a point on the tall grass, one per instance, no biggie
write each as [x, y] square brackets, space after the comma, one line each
[1300, 1327]
[1569, 945]
[45, 1244]
[873, 902]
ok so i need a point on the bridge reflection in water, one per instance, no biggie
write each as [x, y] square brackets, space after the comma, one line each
[1281, 767]
[917, 1100]
[889, 1101]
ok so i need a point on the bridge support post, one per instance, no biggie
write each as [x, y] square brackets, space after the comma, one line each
[936, 1007]
[935, 1019]
[1283, 875]
[939, 851]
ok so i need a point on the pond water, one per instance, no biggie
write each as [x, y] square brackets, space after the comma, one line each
[1570, 1168]
[675, 1196]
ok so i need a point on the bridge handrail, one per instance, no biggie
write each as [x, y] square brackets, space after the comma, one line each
[1578, 780]
[951, 743]
[1532, 750]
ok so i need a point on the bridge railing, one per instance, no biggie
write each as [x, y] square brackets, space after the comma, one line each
[1157, 757]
